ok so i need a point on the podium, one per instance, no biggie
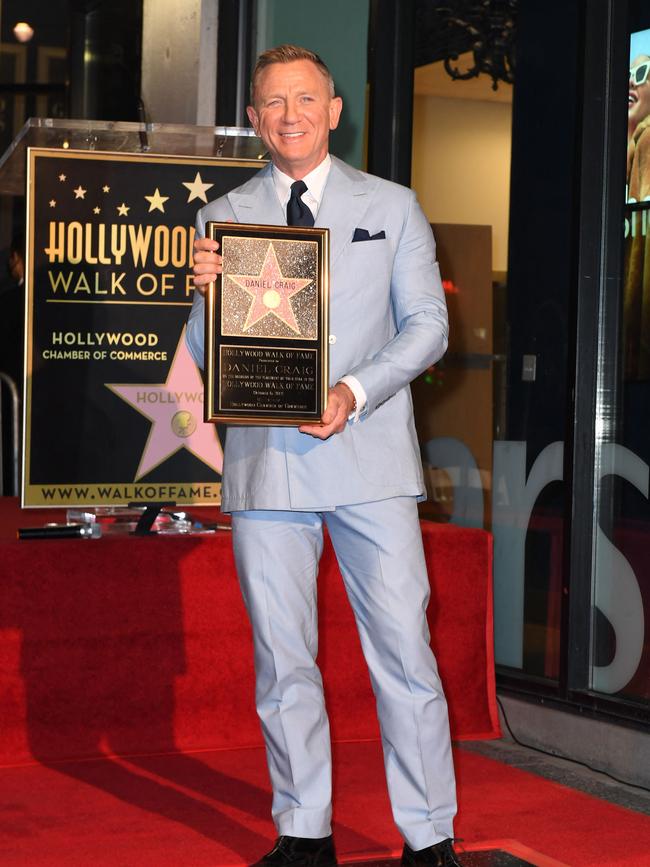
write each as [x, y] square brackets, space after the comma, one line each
[168, 139]
[113, 402]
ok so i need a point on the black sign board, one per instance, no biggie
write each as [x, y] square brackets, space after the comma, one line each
[113, 400]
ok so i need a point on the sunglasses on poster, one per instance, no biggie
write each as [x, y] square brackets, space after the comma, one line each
[639, 74]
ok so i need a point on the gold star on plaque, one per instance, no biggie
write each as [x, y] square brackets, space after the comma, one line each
[61, 178]
[106, 189]
[96, 210]
[197, 188]
[123, 210]
[80, 193]
[270, 292]
[52, 203]
[156, 202]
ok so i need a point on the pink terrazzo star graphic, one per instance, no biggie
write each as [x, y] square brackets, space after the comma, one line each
[175, 409]
[270, 291]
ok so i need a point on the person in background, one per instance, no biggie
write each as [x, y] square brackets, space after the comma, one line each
[12, 312]
[358, 473]
[12, 315]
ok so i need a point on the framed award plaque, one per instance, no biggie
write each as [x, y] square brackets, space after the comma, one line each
[267, 325]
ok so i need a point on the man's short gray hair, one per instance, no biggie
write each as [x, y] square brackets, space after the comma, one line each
[287, 54]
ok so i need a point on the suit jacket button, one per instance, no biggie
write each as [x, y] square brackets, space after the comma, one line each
[332, 338]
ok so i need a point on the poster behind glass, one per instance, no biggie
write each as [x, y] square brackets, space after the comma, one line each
[620, 649]
[636, 360]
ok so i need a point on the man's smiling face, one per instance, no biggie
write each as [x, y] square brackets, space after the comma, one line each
[293, 114]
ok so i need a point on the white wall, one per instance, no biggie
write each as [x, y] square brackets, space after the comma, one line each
[461, 164]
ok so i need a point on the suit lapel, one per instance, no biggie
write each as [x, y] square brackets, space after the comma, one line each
[345, 200]
[257, 201]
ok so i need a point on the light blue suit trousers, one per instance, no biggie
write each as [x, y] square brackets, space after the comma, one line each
[387, 584]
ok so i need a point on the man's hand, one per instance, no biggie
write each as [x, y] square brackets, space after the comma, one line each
[340, 403]
[207, 263]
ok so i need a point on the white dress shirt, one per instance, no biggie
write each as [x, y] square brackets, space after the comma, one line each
[315, 181]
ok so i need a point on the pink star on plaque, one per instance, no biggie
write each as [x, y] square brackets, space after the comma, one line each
[175, 409]
[270, 291]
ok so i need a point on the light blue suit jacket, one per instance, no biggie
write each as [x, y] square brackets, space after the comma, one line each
[388, 323]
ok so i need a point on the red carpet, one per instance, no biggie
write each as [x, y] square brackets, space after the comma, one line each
[141, 646]
[210, 809]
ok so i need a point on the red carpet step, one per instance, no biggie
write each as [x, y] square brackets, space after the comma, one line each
[140, 645]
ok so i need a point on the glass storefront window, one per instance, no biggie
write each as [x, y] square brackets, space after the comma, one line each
[620, 652]
[491, 415]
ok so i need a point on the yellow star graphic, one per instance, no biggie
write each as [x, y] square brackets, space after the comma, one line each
[122, 210]
[61, 177]
[52, 203]
[96, 210]
[80, 193]
[106, 189]
[197, 188]
[156, 202]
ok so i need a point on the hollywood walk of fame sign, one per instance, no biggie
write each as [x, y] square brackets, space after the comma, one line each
[267, 325]
[113, 400]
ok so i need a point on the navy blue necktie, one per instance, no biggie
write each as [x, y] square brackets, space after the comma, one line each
[298, 214]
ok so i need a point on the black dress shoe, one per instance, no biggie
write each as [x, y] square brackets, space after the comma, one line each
[300, 852]
[440, 855]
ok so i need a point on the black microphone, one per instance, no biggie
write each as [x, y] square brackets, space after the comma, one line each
[61, 531]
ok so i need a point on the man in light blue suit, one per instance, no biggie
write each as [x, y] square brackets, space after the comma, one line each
[358, 472]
